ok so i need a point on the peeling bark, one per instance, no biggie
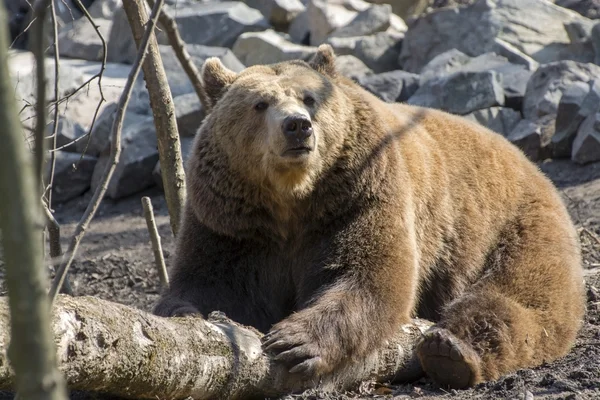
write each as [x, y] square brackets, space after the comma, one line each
[108, 347]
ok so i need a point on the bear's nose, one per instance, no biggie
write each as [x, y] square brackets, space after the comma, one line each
[297, 127]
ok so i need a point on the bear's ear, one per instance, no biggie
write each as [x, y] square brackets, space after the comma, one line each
[324, 60]
[215, 78]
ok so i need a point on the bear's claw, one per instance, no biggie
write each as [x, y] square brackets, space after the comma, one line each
[448, 360]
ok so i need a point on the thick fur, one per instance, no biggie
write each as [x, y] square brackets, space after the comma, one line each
[398, 212]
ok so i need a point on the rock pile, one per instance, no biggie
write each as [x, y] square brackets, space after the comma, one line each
[527, 69]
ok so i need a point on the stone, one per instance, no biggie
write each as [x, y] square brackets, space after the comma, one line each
[299, 29]
[474, 29]
[324, 17]
[373, 20]
[586, 146]
[189, 114]
[351, 67]
[217, 24]
[514, 55]
[268, 47]
[139, 155]
[533, 138]
[104, 8]
[380, 51]
[547, 85]
[502, 120]
[587, 8]
[186, 144]
[514, 77]
[578, 102]
[178, 80]
[344, 46]
[461, 92]
[393, 86]
[405, 8]
[72, 175]
[66, 134]
[82, 41]
[280, 13]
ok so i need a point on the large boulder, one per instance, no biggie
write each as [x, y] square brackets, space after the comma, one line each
[268, 47]
[461, 92]
[480, 28]
[586, 146]
[550, 81]
[352, 67]
[280, 13]
[217, 23]
[324, 16]
[405, 8]
[579, 101]
[393, 86]
[82, 41]
[380, 51]
[72, 175]
[139, 155]
[533, 138]
[372, 20]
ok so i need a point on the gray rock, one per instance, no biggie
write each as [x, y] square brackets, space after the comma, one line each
[217, 23]
[547, 85]
[72, 175]
[393, 86]
[66, 134]
[475, 28]
[344, 46]
[373, 20]
[299, 29]
[324, 17]
[177, 78]
[82, 41]
[352, 67]
[533, 138]
[189, 114]
[501, 120]
[280, 13]
[139, 156]
[461, 92]
[578, 102]
[514, 55]
[405, 8]
[268, 47]
[380, 51]
[586, 146]
[104, 8]
[186, 144]
[514, 77]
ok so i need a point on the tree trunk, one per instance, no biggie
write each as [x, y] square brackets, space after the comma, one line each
[115, 349]
[31, 351]
[161, 101]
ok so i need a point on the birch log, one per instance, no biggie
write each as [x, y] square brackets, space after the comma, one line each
[111, 348]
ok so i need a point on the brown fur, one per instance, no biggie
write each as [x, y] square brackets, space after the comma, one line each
[398, 212]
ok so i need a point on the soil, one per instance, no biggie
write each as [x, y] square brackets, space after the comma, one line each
[115, 262]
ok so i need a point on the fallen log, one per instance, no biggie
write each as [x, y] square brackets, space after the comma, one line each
[111, 348]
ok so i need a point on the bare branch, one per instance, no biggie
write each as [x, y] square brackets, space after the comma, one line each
[55, 247]
[115, 153]
[155, 240]
[163, 110]
[170, 26]
[56, 95]
[38, 50]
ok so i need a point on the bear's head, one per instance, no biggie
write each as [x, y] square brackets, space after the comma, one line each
[280, 126]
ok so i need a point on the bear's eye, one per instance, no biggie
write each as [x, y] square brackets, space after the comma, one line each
[309, 101]
[261, 105]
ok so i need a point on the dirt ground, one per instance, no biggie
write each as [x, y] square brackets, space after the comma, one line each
[116, 263]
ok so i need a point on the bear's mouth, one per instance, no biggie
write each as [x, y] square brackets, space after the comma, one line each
[297, 151]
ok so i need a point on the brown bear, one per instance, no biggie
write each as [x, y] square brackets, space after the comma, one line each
[326, 217]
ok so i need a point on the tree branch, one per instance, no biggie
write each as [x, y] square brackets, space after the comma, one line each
[155, 240]
[161, 101]
[31, 351]
[108, 347]
[115, 153]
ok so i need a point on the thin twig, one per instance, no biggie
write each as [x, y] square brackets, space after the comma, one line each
[155, 240]
[170, 26]
[38, 49]
[56, 94]
[115, 153]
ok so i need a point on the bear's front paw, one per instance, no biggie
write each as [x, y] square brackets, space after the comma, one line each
[292, 344]
[175, 308]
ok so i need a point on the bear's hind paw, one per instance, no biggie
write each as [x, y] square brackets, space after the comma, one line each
[448, 360]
